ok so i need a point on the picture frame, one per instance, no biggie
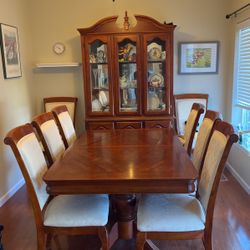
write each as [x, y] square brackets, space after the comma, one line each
[198, 57]
[10, 51]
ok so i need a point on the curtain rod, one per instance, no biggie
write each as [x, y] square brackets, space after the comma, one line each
[235, 12]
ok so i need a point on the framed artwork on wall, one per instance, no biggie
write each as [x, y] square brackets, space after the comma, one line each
[198, 57]
[10, 51]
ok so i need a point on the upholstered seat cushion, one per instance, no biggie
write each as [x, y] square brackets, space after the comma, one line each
[77, 211]
[170, 213]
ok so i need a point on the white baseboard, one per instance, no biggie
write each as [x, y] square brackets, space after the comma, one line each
[11, 192]
[238, 177]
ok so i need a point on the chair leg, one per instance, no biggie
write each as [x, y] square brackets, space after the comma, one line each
[41, 240]
[48, 241]
[208, 241]
[103, 236]
[140, 240]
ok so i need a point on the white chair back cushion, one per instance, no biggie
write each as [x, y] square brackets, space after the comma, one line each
[70, 106]
[183, 107]
[214, 153]
[53, 139]
[189, 126]
[201, 142]
[67, 126]
[34, 161]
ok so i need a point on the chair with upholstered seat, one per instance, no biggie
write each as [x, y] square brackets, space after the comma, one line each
[183, 104]
[187, 217]
[64, 124]
[70, 102]
[62, 214]
[49, 135]
[202, 138]
[190, 129]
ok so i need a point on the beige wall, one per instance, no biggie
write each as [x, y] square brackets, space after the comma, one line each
[42, 23]
[15, 100]
[58, 20]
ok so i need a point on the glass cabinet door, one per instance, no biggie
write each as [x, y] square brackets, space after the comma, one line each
[156, 78]
[99, 76]
[128, 91]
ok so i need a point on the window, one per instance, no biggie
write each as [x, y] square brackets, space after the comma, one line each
[241, 95]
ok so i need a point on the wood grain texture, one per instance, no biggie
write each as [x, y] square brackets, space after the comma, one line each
[123, 161]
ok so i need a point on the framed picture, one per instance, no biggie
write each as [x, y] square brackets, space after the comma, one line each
[10, 51]
[198, 57]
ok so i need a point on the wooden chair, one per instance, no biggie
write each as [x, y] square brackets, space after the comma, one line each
[187, 217]
[64, 124]
[183, 104]
[190, 129]
[70, 102]
[62, 214]
[204, 134]
[49, 135]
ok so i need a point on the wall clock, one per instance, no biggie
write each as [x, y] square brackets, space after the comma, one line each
[58, 48]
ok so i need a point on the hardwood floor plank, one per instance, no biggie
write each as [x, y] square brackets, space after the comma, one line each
[231, 225]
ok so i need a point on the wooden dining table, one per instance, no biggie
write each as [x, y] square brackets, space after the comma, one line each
[123, 163]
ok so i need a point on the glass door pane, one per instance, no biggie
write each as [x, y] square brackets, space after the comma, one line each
[128, 96]
[99, 80]
[156, 73]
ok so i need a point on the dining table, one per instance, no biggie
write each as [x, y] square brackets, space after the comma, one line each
[124, 163]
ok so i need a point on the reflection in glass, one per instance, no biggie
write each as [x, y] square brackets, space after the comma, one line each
[99, 80]
[127, 76]
[156, 90]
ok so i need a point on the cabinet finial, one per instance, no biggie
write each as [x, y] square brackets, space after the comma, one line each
[126, 22]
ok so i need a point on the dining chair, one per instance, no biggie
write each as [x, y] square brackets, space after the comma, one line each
[49, 135]
[62, 214]
[187, 217]
[70, 102]
[203, 136]
[190, 129]
[64, 124]
[183, 104]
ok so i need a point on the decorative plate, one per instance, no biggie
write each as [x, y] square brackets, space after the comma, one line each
[154, 102]
[154, 54]
[154, 51]
[156, 80]
[100, 56]
[103, 98]
[96, 105]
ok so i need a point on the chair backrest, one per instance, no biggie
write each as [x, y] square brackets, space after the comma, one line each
[49, 134]
[202, 138]
[219, 146]
[64, 124]
[70, 102]
[183, 104]
[30, 158]
[192, 121]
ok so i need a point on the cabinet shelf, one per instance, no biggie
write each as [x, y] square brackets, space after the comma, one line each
[57, 65]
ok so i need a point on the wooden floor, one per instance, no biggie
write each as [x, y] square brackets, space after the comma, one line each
[231, 225]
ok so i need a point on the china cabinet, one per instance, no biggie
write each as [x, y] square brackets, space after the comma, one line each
[128, 73]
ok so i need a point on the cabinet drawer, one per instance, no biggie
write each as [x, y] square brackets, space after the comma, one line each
[128, 125]
[99, 125]
[158, 124]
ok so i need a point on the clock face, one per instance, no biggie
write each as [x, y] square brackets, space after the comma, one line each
[58, 48]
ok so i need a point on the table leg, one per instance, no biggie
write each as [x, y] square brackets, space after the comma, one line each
[125, 210]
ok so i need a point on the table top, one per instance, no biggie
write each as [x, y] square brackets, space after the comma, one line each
[123, 161]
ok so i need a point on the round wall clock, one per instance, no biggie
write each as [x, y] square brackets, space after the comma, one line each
[58, 48]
